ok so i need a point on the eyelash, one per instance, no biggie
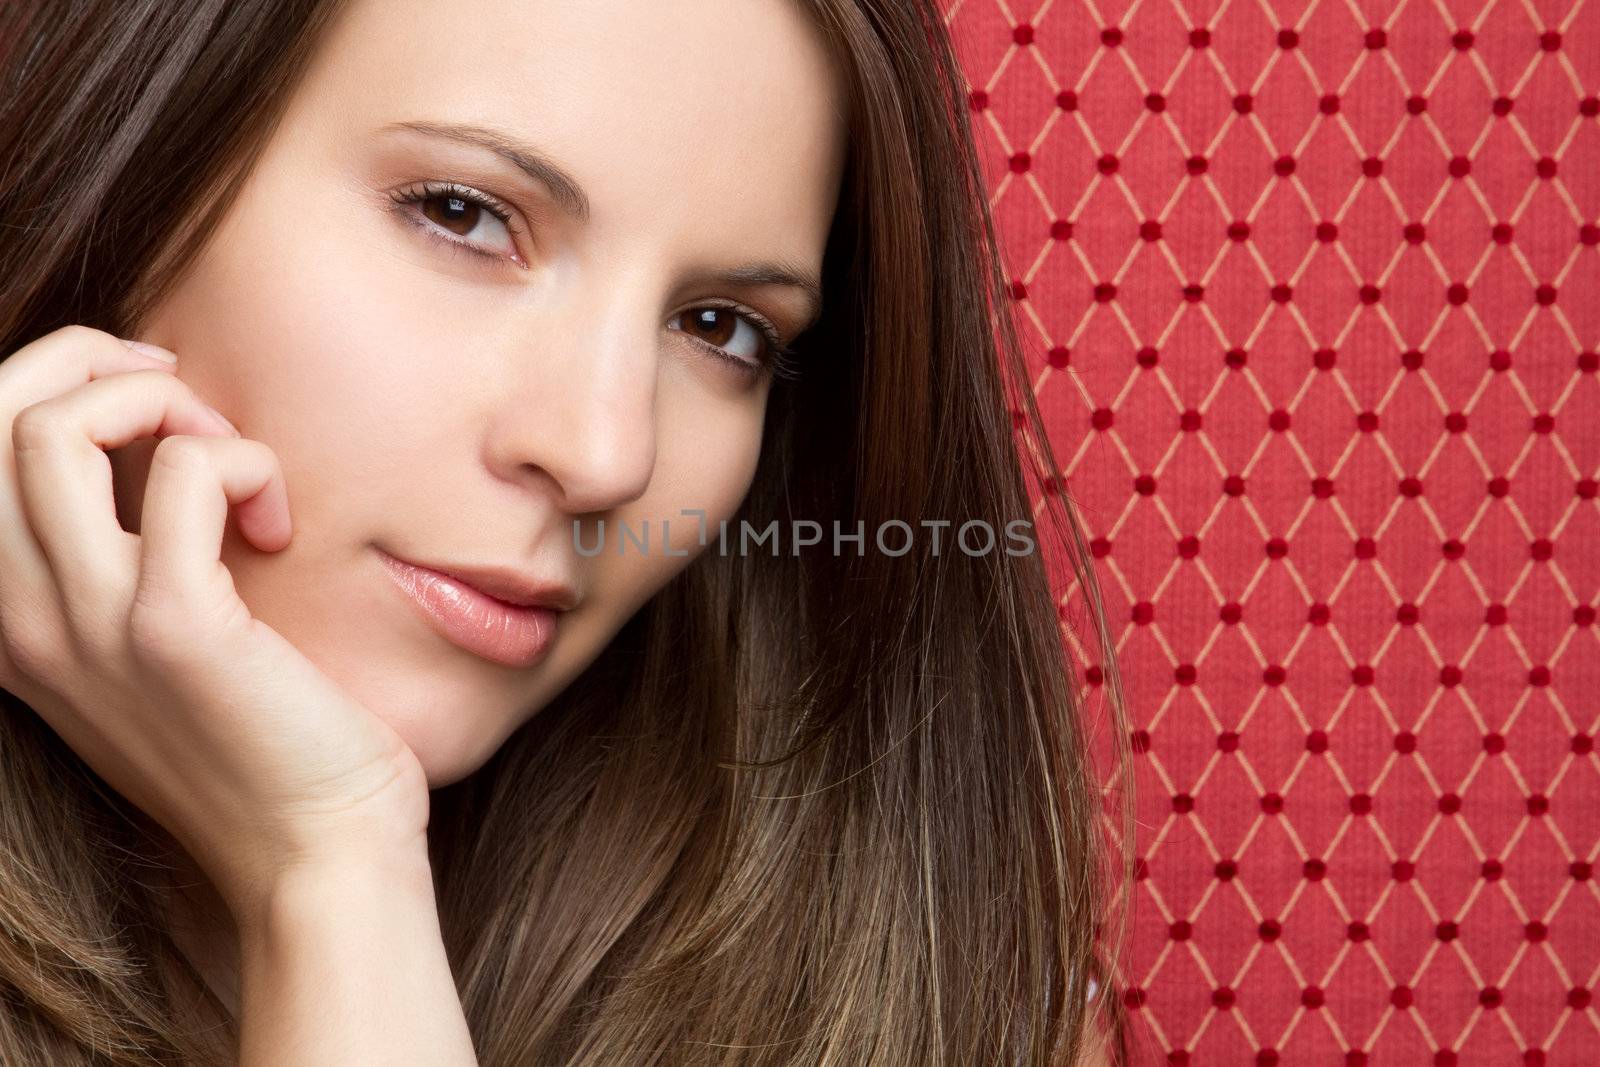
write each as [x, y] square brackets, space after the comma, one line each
[780, 357]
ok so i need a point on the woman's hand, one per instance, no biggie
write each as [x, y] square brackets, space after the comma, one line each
[136, 648]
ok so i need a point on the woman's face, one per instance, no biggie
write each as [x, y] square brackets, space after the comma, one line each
[462, 403]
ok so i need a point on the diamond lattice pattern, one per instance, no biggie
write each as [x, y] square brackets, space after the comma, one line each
[1312, 299]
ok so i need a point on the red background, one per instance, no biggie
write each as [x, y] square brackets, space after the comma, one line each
[1335, 431]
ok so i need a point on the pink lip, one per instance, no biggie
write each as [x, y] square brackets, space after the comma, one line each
[499, 632]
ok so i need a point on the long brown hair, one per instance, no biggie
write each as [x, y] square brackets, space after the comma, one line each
[814, 809]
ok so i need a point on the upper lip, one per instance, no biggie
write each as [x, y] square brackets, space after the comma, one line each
[507, 584]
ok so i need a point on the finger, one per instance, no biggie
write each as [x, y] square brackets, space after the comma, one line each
[55, 363]
[193, 482]
[62, 360]
[64, 477]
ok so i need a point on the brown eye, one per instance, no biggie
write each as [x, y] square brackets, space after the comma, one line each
[453, 213]
[726, 329]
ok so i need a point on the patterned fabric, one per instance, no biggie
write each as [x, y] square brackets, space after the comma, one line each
[1312, 296]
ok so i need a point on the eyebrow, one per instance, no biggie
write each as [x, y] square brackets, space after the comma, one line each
[570, 195]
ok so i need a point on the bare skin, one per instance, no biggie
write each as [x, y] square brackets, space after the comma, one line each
[598, 356]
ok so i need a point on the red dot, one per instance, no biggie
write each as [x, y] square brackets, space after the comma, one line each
[1067, 100]
[1411, 359]
[1450, 675]
[1144, 485]
[1235, 358]
[1147, 357]
[1449, 804]
[979, 99]
[1372, 167]
[1376, 38]
[1288, 38]
[1195, 165]
[1185, 674]
[1311, 997]
[1222, 998]
[1403, 870]
[1183, 803]
[1400, 997]
[1189, 547]
[1357, 931]
[1058, 357]
[1405, 742]
[1061, 230]
[1455, 422]
[1535, 931]
[1460, 166]
[1227, 741]
[1580, 871]
[1541, 549]
[1502, 106]
[1238, 230]
[1101, 418]
[1180, 930]
[1327, 232]
[1329, 104]
[1105, 292]
[1111, 36]
[1233, 485]
[1550, 40]
[1267, 1057]
[1272, 676]
[1155, 102]
[1499, 360]
[1366, 548]
[1456, 293]
[1489, 997]
[1272, 804]
[1492, 870]
[1495, 615]
[1462, 39]
[1407, 614]
[1578, 999]
[1231, 613]
[1415, 233]
[1022, 34]
[1139, 741]
[1447, 931]
[1020, 163]
[1582, 744]
[1243, 103]
[1538, 804]
[1199, 37]
[1361, 675]
[1318, 615]
[1269, 930]
[1283, 166]
[1106, 164]
[1361, 804]
[1494, 744]
[1143, 612]
[1226, 870]
[1317, 742]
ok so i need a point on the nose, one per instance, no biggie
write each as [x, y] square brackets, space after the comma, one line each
[580, 409]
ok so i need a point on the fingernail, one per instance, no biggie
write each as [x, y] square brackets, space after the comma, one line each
[155, 351]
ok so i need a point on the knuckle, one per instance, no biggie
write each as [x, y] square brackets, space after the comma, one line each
[182, 454]
[37, 426]
[154, 628]
[29, 651]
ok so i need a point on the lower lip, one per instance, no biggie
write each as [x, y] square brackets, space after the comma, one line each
[499, 632]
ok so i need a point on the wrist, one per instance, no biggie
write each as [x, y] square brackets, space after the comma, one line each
[360, 881]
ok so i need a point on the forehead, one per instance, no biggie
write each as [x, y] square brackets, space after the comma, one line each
[665, 106]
